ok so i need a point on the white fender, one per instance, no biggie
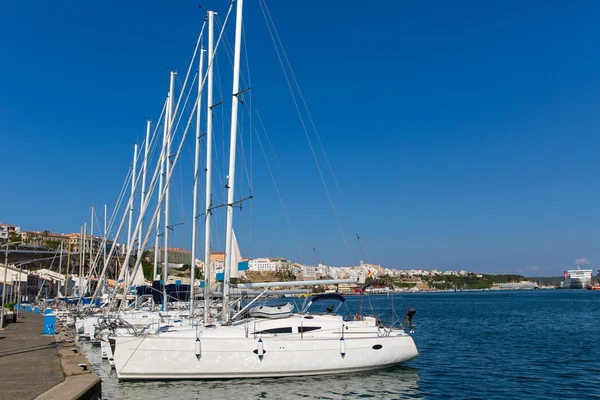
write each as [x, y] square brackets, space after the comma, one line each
[261, 349]
[198, 348]
[342, 347]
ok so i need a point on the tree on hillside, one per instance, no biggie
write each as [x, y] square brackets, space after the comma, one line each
[148, 269]
[52, 244]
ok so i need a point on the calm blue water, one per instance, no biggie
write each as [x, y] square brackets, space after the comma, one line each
[541, 344]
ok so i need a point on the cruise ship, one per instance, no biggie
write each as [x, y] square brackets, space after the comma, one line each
[578, 278]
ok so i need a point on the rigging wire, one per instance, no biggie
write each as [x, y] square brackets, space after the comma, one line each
[125, 185]
[146, 204]
[169, 171]
[250, 112]
[303, 100]
[285, 213]
[185, 107]
[271, 29]
[187, 75]
[364, 251]
[247, 85]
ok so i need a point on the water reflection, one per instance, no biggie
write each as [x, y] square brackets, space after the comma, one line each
[399, 383]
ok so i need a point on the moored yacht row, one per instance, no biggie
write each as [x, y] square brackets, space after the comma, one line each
[145, 345]
[148, 332]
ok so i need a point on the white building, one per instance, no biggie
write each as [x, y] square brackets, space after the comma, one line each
[6, 230]
[309, 271]
[13, 275]
[262, 265]
[322, 269]
[218, 267]
[59, 280]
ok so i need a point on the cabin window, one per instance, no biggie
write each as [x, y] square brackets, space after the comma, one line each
[377, 347]
[276, 330]
[308, 328]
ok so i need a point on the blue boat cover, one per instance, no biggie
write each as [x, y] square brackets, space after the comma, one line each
[328, 296]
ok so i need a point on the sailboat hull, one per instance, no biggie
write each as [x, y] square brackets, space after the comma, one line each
[152, 358]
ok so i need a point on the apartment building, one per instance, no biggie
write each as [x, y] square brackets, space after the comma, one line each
[8, 230]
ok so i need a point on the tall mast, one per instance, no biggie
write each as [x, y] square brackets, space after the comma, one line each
[68, 267]
[81, 256]
[60, 267]
[209, 137]
[160, 186]
[232, 151]
[105, 238]
[167, 161]
[133, 173]
[91, 248]
[196, 167]
[144, 173]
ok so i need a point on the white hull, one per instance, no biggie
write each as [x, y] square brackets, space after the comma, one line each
[578, 278]
[235, 358]
[234, 351]
[577, 283]
[79, 325]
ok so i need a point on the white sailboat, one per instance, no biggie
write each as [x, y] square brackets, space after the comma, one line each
[297, 344]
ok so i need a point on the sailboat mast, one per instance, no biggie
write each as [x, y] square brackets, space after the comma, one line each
[160, 187]
[167, 196]
[144, 173]
[81, 256]
[105, 238]
[209, 137]
[232, 151]
[59, 268]
[68, 267]
[91, 251]
[133, 177]
[196, 169]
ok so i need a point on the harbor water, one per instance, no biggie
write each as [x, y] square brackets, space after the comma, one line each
[536, 344]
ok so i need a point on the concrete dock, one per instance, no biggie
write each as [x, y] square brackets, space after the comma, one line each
[33, 366]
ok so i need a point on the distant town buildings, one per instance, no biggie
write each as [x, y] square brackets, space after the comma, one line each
[268, 264]
[46, 282]
[8, 230]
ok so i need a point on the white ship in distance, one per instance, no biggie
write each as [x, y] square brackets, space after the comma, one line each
[578, 278]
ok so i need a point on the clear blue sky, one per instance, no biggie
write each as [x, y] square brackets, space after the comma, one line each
[463, 134]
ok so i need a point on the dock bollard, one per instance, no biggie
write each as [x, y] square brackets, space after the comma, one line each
[48, 311]
[49, 324]
[36, 310]
[28, 307]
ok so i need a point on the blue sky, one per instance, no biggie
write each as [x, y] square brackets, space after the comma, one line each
[462, 135]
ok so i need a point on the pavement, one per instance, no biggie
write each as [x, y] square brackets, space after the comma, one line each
[33, 366]
[29, 363]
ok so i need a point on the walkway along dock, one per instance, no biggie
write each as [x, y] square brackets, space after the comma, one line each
[33, 366]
